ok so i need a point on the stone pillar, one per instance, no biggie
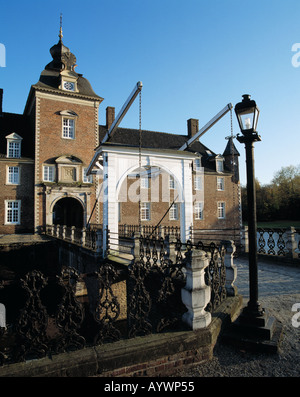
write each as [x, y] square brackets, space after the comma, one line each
[99, 243]
[231, 269]
[291, 244]
[244, 239]
[186, 205]
[73, 234]
[171, 243]
[136, 245]
[196, 294]
[83, 237]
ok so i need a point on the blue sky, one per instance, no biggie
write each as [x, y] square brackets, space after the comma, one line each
[193, 57]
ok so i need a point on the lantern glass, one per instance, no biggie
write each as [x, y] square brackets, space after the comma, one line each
[247, 114]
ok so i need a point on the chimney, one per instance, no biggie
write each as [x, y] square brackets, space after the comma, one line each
[1, 100]
[192, 127]
[110, 116]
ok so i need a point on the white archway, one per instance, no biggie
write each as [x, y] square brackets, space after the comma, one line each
[119, 161]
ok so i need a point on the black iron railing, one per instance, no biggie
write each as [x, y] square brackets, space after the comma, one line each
[52, 313]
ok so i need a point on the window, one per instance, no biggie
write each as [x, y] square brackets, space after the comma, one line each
[49, 173]
[68, 128]
[13, 145]
[145, 182]
[219, 165]
[220, 183]
[171, 182]
[197, 164]
[173, 213]
[13, 176]
[198, 210]
[221, 210]
[198, 183]
[145, 211]
[12, 212]
[87, 178]
[14, 149]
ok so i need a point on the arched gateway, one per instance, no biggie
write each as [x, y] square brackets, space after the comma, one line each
[68, 211]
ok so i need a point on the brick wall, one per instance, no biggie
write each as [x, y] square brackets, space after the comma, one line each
[50, 144]
[168, 365]
[23, 192]
[129, 209]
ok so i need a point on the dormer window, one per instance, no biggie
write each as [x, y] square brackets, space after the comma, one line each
[14, 145]
[219, 165]
[197, 164]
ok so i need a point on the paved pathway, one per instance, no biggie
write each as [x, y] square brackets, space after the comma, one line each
[279, 290]
[273, 278]
[7, 239]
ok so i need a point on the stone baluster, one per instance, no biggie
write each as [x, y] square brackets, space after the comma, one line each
[83, 237]
[244, 239]
[291, 244]
[136, 245]
[230, 267]
[73, 234]
[99, 243]
[196, 294]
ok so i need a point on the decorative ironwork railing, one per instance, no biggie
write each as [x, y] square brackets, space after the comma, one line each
[276, 242]
[152, 252]
[148, 230]
[49, 314]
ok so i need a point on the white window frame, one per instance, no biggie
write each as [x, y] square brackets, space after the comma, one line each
[198, 182]
[13, 175]
[145, 211]
[145, 182]
[86, 178]
[68, 131]
[221, 210]
[13, 149]
[219, 165]
[173, 212]
[198, 209]
[197, 164]
[12, 212]
[46, 173]
[171, 182]
[220, 183]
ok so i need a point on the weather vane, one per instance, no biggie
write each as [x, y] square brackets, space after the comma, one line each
[60, 29]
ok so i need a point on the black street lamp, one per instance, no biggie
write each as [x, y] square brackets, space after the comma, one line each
[247, 114]
[254, 328]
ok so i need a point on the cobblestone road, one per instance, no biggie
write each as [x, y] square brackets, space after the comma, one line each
[279, 290]
[273, 278]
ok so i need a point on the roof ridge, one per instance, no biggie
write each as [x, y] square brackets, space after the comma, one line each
[137, 130]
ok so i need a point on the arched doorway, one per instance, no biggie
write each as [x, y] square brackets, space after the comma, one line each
[68, 211]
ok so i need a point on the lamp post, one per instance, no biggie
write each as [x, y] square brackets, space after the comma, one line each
[247, 114]
[254, 328]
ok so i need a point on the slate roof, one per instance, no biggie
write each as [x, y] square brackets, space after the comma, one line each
[230, 149]
[63, 60]
[159, 140]
[50, 81]
[12, 122]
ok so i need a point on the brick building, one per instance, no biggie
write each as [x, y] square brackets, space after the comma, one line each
[45, 152]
